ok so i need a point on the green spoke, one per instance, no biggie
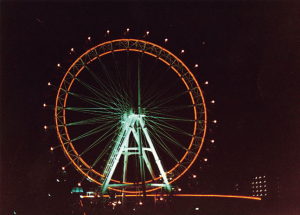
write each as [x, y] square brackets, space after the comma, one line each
[94, 111]
[161, 102]
[100, 96]
[163, 132]
[102, 127]
[91, 120]
[95, 102]
[103, 137]
[169, 127]
[168, 117]
[155, 86]
[166, 109]
[162, 144]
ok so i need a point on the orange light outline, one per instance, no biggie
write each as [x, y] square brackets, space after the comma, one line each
[195, 111]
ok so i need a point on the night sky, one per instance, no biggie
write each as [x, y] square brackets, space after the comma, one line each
[249, 52]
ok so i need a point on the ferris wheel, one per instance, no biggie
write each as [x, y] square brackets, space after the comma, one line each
[130, 116]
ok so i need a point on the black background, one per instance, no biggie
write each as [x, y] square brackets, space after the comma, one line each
[250, 56]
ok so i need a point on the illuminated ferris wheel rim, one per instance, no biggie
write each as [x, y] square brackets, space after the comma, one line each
[128, 45]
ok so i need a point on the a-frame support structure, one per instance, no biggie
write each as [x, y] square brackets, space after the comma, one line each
[133, 124]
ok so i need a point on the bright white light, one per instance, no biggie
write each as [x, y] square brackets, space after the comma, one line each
[49, 84]
[58, 65]
[45, 127]
[44, 105]
[147, 32]
[206, 83]
[215, 121]
[72, 49]
[205, 159]
[57, 180]
[196, 209]
[63, 168]
[166, 40]
[140, 203]
[194, 176]
[161, 198]
[89, 38]
[81, 196]
[127, 29]
[196, 65]
[212, 101]
[79, 184]
[51, 148]
[107, 31]
[119, 202]
[179, 189]
[182, 51]
[49, 194]
[212, 141]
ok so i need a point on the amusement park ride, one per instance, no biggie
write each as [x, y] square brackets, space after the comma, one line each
[131, 118]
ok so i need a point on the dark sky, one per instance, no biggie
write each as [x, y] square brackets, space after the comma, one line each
[251, 58]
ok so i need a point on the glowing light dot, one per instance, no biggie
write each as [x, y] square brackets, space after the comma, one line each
[72, 49]
[182, 51]
[44, 105]
[212, 141]
[205, 159]
[194, 176]
[179, 189]
[166, 40]
[196, 65]
[79, 184]
[127, 29]
[215, 121]
[45, 127]
[147, 32]
[213, 101]
[161, 198]
[206, 82]
[49, 84]
[58, 65]
[119, 202]
[89, 38]
[51, 148]
[63, 168]
[107, 31]
[140, 203]
[98, 196]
